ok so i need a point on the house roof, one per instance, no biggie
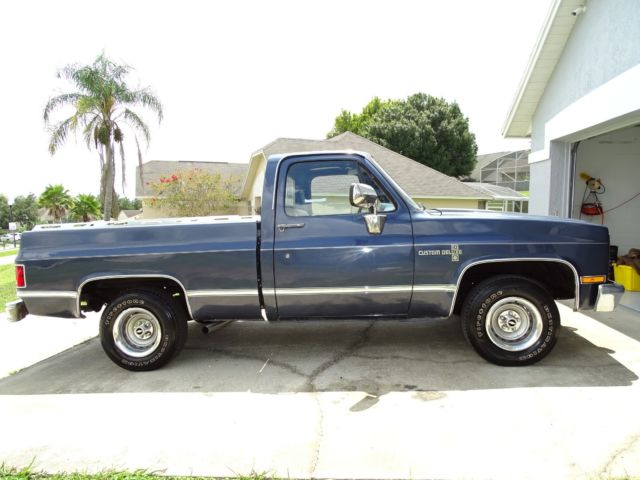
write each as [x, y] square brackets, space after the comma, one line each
[416, 179]
[130, 213]
[543, 60]
[154, 169]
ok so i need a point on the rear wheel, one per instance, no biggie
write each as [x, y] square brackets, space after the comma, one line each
[142, 330]
[510, 320]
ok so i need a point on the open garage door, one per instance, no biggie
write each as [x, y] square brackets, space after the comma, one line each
[613, 198]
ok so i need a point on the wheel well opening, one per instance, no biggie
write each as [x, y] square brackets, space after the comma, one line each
[557, 277]
[97, 293]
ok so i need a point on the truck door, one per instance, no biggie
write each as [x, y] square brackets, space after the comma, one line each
[326, 264]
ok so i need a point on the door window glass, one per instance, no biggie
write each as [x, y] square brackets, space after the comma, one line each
[322, 188]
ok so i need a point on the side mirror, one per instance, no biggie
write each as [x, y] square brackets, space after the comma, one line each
[362, 195]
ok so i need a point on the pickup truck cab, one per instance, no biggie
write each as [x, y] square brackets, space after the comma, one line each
[337, 238]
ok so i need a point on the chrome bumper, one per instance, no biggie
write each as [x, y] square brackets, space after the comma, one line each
[609, 295]
[16, 310]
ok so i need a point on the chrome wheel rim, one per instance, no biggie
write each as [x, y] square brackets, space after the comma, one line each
[514, 324]
[136, 332]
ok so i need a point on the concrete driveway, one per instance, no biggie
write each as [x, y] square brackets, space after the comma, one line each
[338, 400]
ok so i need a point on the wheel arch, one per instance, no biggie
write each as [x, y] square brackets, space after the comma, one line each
[541, 270]
[132, 281]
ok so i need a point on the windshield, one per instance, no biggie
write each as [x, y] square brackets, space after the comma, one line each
[405, 196]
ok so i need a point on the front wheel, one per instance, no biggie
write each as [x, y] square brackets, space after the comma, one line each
[142, 331]
[510, 320]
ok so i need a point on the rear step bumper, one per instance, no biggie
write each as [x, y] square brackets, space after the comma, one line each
[16, 310]
[609, 295]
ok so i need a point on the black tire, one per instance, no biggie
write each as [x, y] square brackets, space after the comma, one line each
[510, 320]
[142, 330]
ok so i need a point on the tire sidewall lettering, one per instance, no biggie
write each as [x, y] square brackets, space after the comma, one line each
[485, 295]
[164, 314]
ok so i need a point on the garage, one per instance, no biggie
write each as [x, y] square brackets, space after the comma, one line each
[579, 103]
[606, 190]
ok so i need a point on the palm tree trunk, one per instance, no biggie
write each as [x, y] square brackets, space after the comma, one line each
[115, 210]
[103, 181]
[110, 176]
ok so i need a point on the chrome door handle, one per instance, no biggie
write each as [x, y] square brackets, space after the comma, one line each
[283, 226]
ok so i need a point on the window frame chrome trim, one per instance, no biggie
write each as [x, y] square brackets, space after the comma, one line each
[284, 157]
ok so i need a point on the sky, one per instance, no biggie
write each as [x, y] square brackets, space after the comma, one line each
[235, 75]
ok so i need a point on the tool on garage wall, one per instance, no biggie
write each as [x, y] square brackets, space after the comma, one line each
[591, 204]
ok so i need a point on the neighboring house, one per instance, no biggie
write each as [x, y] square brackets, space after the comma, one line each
[424, 184]
[129, 215]
[505, 169]
[504, 199]
[153, 170]
[579, 102]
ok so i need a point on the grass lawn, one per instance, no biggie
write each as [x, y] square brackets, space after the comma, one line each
[6, 253]
[29, 474]
[7, 287]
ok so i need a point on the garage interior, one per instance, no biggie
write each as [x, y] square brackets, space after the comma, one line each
[613, 198]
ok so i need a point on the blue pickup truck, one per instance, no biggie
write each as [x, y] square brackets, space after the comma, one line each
[337, 238]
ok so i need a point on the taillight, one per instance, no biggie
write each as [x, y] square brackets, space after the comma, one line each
[21, 282]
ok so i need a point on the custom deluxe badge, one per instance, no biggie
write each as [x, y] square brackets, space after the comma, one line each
[454, 251]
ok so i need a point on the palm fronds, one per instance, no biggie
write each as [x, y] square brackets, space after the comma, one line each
[103, 97]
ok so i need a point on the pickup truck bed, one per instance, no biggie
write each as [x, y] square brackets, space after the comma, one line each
[208, 258]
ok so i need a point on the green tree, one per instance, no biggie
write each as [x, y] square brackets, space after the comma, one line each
[4, 211]
[102, 108]
[355, 122]
[56, 200]
[193, 193]
[86, 207]
[427, 129]
[128, 204]
[25, 211]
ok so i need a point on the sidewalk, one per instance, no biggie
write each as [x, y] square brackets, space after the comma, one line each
[34, 339]
[7, 260]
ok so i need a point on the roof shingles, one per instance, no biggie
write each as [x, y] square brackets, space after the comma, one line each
[416, 179]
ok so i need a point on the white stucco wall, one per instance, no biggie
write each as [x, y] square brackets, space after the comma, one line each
[256, 187]
[539, 188]
[604, 45]
[614, 158]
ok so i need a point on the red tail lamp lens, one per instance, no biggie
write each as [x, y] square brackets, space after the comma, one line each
[20, 280]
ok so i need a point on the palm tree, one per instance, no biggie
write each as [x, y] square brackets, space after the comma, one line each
[56, 200]
[86, 206]
[102, 108]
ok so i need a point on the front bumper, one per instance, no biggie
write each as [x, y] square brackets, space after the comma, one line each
[609, 295]
[16, 310]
